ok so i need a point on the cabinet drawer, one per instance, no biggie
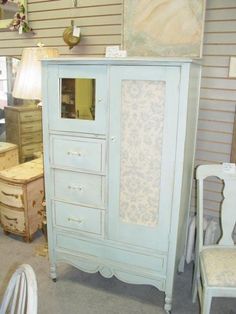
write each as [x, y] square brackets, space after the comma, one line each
[12, 220]
[29, 116]
[79, 188]
[28, 150]
[84, 154]
[31, 127]
[11, 195]
[31, 138]
[78, 218]
[129, 259]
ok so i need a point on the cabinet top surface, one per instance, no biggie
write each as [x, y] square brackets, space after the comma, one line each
[23, 173]
[5, 147]
[22, 108]
[120, 61]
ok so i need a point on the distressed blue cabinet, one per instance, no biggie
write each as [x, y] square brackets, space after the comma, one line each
[119, 141]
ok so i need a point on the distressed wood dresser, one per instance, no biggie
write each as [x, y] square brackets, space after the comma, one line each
[24, 128]
[8, 155]
[21, 197]
[119, 140]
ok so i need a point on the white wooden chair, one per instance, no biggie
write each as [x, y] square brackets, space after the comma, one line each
[215, 265]
[21, 294]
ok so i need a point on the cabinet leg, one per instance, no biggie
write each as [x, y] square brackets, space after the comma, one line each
[168, 305]
[53, 274]
[28, 239]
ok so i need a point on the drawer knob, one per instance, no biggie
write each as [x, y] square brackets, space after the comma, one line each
[78, 220]
[75, 187]
[74, 153]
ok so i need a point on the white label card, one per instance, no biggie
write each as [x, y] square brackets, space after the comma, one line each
[76, 31]
[112, 51]
[228, 167]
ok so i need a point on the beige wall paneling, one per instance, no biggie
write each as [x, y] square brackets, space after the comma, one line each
[100, 22]
[101, 25]
[218, 96]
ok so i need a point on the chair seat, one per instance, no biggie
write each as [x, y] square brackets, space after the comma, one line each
[220, 266]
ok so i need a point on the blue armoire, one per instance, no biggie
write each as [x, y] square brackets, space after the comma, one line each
[119, 141]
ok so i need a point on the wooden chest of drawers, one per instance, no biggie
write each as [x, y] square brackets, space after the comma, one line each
[21, 197]
[24, 128]
[8, 155]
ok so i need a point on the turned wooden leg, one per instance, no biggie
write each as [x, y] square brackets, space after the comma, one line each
[27, 239]
[168, 304]
[53, 274]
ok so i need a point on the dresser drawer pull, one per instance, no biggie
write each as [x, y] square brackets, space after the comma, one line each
[29, 116]
[7, 194]
[28, 138]
[29, 149]
[8, 218]
[74, 153]
[75, 187]
[71, 219]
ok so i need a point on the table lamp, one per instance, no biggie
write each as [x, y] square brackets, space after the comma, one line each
[28, 78]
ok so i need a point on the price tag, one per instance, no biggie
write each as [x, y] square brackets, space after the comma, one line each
[76, 31]
[20, 30]
[229, 167]
[112, 51]
[122, 54]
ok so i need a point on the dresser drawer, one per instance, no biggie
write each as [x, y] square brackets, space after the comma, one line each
[34, 126]
[84, 154]
[29, 150]
[144, 261]
[12, 219]
[29, 116]
[78, 218]
[80, 188]
[11, 195]
[31, 138]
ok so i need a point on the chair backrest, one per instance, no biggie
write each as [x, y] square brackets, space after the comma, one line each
[20, 296]
[228, 206]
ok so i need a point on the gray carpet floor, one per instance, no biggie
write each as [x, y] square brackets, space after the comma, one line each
[77, 292]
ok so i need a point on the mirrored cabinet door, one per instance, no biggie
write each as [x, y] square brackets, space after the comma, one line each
[78, 100]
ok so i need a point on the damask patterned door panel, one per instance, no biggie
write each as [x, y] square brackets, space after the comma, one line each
[143, 131]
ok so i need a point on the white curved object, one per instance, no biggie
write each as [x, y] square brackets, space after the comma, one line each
[21, 294]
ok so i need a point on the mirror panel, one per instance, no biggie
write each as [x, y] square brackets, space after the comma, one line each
[8, 69]
[8, 10]
[78, 98]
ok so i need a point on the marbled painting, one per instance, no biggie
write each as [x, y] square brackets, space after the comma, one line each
[170, 28]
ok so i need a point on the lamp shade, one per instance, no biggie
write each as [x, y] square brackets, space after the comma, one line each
[28, 78]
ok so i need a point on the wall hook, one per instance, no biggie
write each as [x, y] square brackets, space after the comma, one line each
[74, 2]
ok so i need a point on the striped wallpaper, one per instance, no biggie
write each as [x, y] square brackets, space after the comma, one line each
[101, 25]
[100, 22]
[218, 95]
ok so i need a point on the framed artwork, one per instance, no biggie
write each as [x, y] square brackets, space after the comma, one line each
[169, 28]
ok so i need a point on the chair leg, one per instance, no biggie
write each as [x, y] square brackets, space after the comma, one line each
[195, 283]
[206, 302]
